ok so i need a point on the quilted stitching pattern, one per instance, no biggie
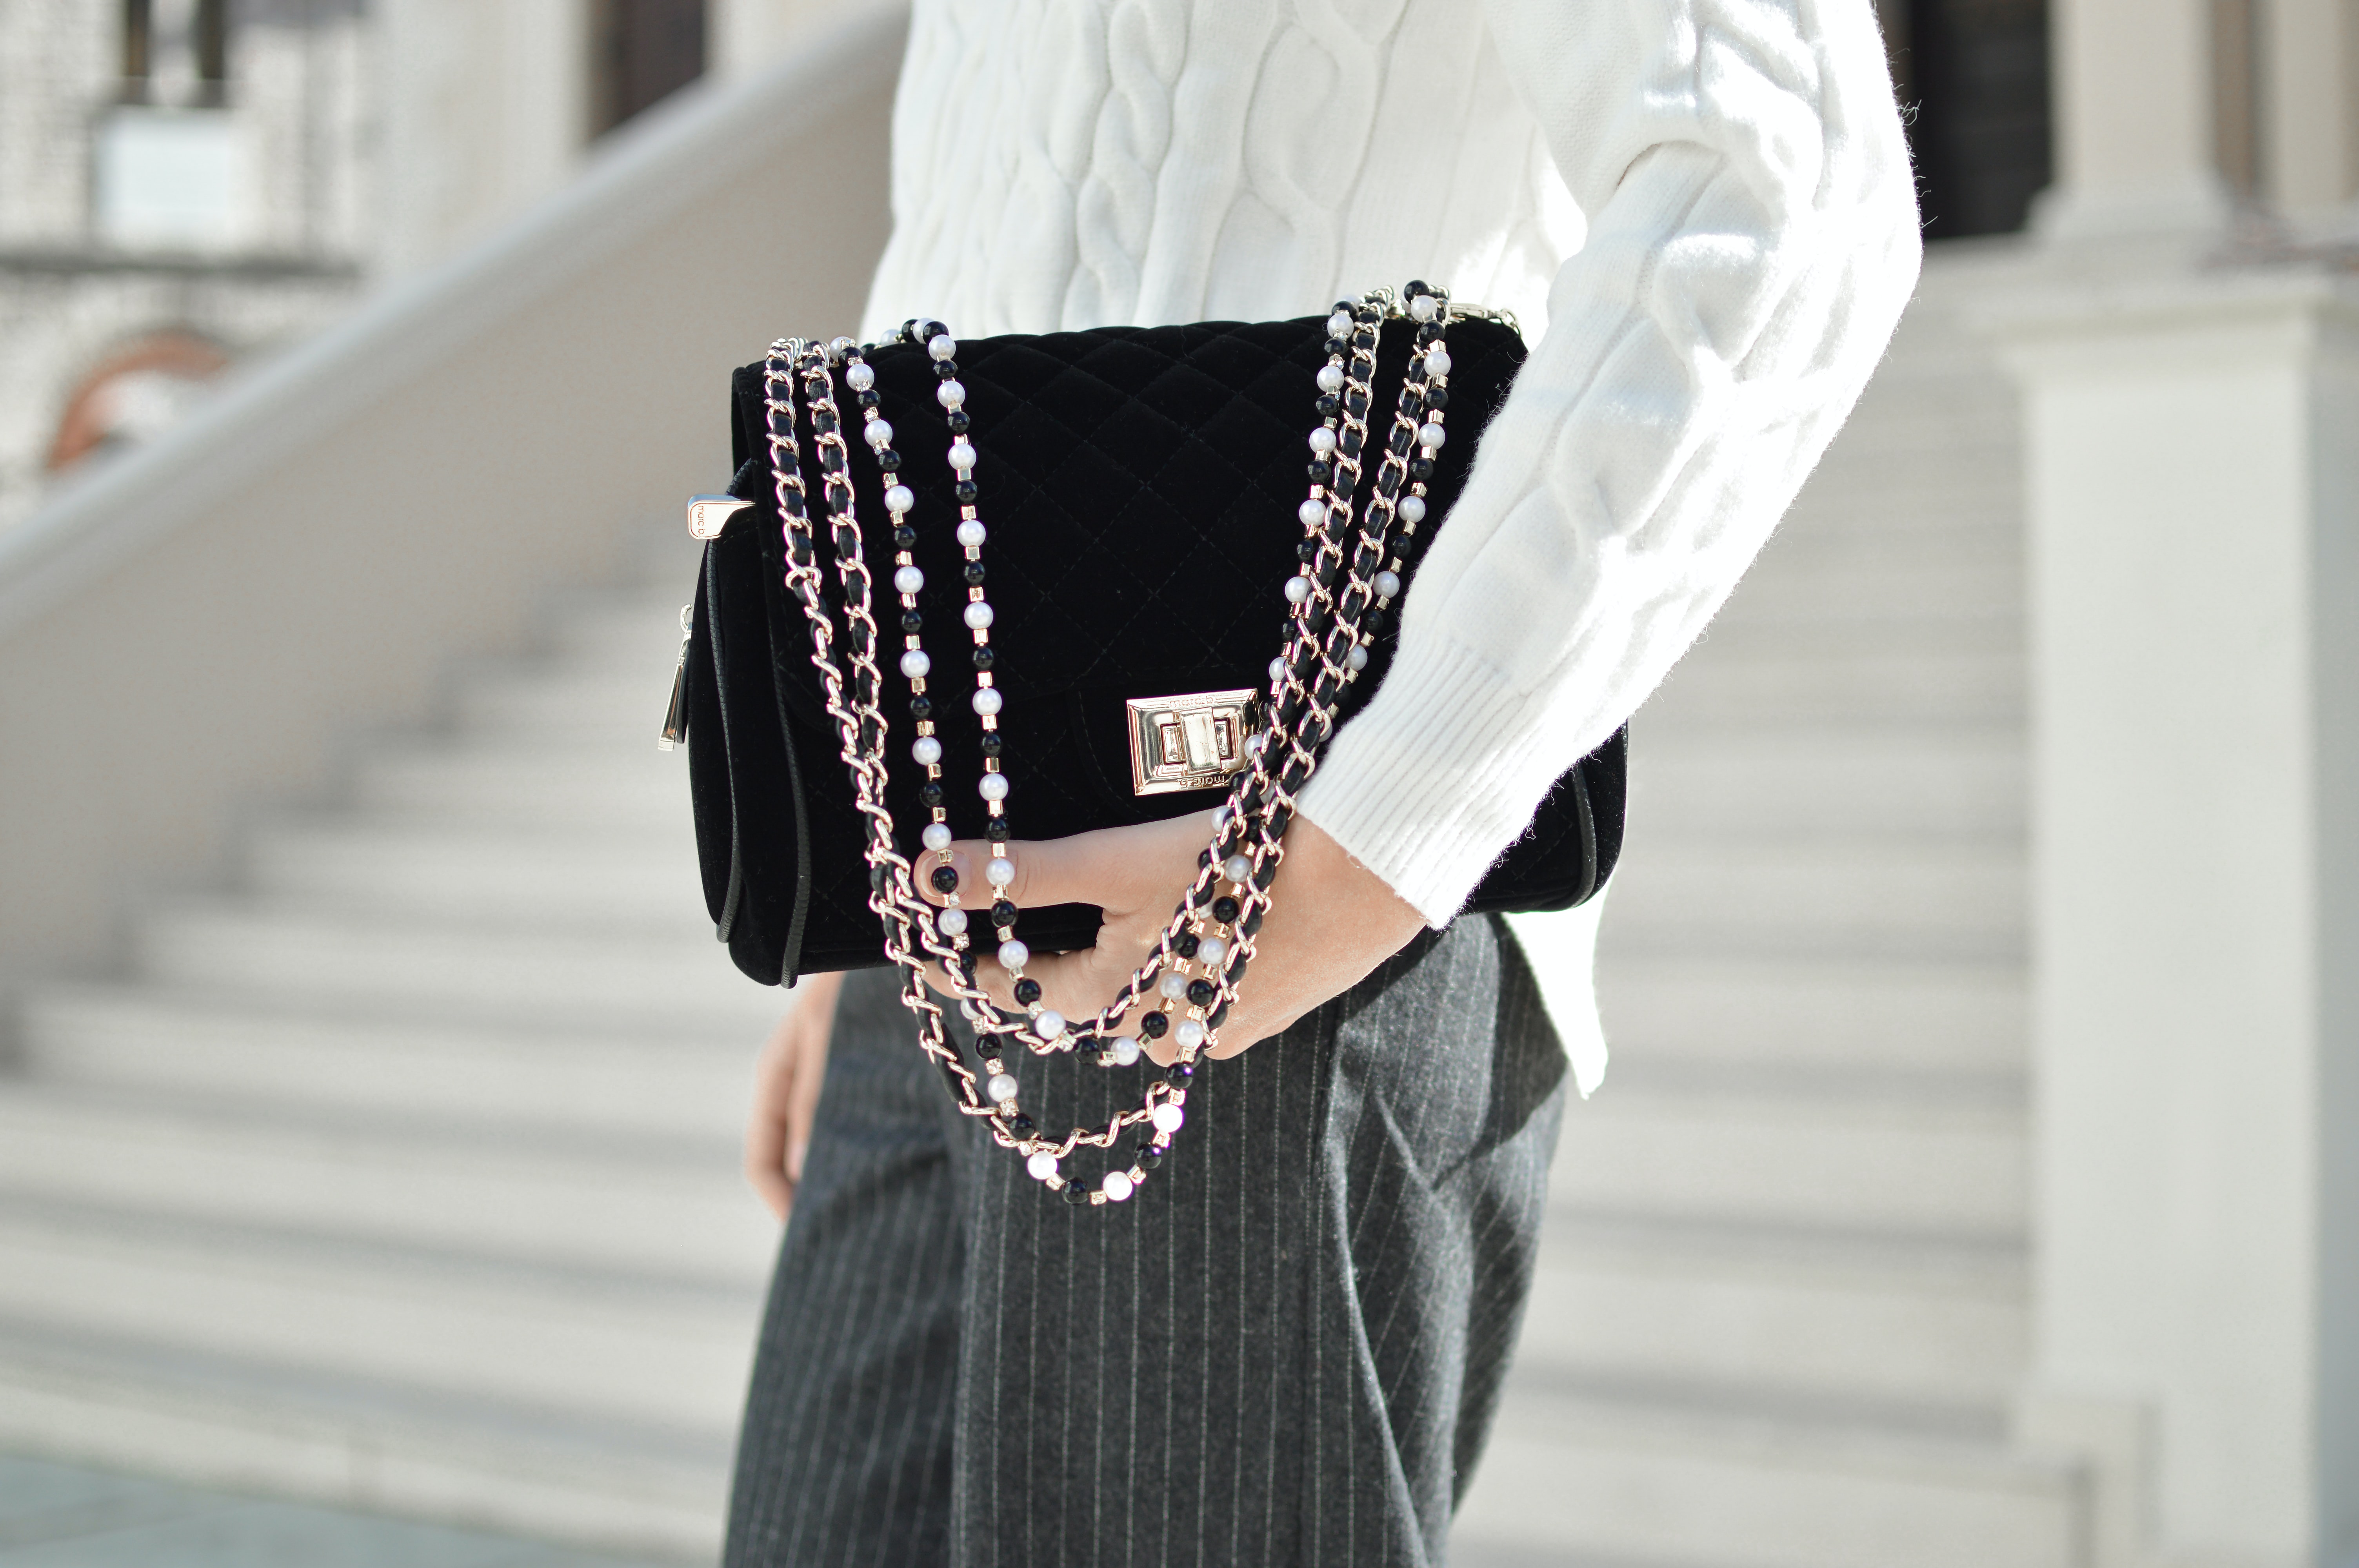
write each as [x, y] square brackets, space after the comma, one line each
[1140, 486]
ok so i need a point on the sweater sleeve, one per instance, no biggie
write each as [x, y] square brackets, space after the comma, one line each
[1752, 237]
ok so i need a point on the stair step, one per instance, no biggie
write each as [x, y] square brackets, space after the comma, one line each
[585, 876]
[1623, 1478]
[1845, 1015]
[1687, 895]
[686, 1080]
[1785, 688]
[527, 971]
[161, 1408]
[580, 1343]
[1865, 1316]
[620, 706]
[1811, 786]
[493, 781]
[1916, 1162]
[674, 1206]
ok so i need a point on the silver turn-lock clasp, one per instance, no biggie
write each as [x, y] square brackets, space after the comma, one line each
[1191, 742]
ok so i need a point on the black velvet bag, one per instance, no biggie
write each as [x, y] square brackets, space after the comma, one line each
[1141, 486]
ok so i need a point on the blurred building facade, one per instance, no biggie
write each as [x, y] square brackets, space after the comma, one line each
[1975, 1185]
[186, 183]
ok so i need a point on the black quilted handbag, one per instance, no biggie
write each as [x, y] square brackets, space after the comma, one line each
[1143, 485]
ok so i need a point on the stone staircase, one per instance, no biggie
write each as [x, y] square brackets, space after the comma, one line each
[405, 1174]
[1783, 1298]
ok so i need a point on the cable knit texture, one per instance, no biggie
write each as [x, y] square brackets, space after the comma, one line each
[1701, 209]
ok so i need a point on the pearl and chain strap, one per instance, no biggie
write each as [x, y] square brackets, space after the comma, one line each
[1327, 638]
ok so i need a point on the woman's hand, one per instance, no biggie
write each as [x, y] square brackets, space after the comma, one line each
[787, 1079]
[1331, 920]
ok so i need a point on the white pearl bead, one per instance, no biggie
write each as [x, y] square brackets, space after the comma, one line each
[1049, 1025]
[1210, 951]
[1001, 870]
[861, 377]
[1424, 308]
[1255, 743]
[1312, 513]
[1330, 379]
[1432, 437]
[1221, 816]
[927, 751]
[978, 615]
[1041, 1166]
[951, 393]
[899, 498]
[970, 533]
[1277, 669]
[1322, 440]
[951, 922]
[961, 454]
[1118, 1186]
[1339, 325]
[992, 786]
[1166, 1118]
[914, 664]
[1412, 509]
[937, 836]
[1190, 1033]
[987, 701]
[1014, 955]
[880, 434]
[1002, 1087]
[943, 347]
[1298, 590]
[1174, 986]
[1387, 584]
[1236, 868]
[908, 580]
[1357, 659]
[1124, 1050]
[1437, 361]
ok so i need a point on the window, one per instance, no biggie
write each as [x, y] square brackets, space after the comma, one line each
[1975, 73]
[176, 52]
[645, 51]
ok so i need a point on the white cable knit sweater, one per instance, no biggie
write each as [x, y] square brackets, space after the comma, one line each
[1701, 209]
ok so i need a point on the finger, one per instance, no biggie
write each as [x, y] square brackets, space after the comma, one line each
[1114, 867]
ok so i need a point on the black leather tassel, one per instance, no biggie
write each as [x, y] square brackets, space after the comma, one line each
[675, 729]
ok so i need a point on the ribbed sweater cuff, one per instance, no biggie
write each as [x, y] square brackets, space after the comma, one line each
[1436, 777]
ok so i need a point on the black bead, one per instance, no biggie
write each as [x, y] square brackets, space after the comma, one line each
[974, 573]
[1022, 1125]
[904, 536]
[1328, 406]
[1027, 991]
[1075, 1193]
[1416, 286]
[927, 331]
[1002, 913]
[1148, 1156]
[1336, 346]
[889, 461]
[946, 370]
[1377, 623]
[1185, 943]
[912, 623]
[1420, 468]
[1307, 550]
[945, 879]
[1428, 334]
[1437, 398]
[1224, 910]
[958, 421]
[1322, 473]
[930, 792]
[994, 743]
[921, 707]
[1154, 1025]
[1348, 306]
[997, 830]
[984, 658]
[967, 492]
[1178, 1074]
[1201, 993]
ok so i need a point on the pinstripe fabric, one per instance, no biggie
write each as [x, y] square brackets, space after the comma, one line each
[1286, 1350]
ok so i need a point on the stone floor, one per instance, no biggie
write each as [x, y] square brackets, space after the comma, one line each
[55, 1516]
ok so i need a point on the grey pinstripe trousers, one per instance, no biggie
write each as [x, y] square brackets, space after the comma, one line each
[1285, 1351]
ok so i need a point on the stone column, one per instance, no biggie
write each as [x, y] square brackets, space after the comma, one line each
[2193, 468]
[2134, 96]
[749, 35]
[2309, 111]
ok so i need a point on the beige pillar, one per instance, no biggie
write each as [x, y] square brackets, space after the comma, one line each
[749, 35]
[2309, 107]
[2135, 144]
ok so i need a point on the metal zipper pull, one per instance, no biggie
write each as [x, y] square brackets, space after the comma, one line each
[675, 727]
